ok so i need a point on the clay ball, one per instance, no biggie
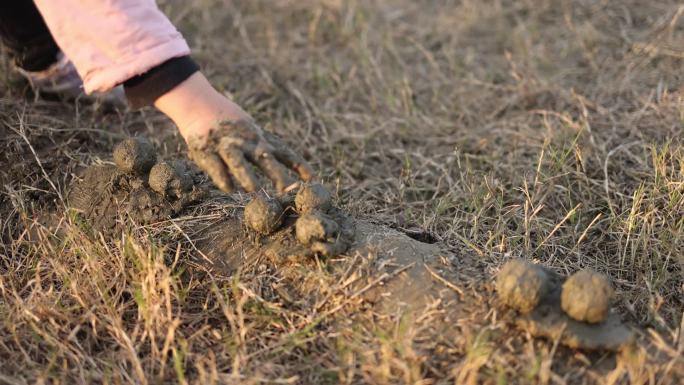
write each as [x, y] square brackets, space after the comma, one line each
[587, 296]
[135, 155]
[521, 285]
[313, 197]
[264, 215]
[169, 180]
[315, 227]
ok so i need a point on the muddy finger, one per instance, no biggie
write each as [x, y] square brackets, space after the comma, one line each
[274, 171]
[214, 166]
[239, 168]
[289, 158]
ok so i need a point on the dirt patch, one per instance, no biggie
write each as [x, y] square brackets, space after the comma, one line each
[404, 274]
[144, 192]
[400, 275]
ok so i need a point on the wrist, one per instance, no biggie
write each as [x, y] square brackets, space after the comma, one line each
[196, 107]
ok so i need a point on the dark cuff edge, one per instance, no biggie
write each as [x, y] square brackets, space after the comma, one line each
[144, 89]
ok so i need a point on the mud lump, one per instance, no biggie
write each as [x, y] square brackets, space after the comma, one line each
[264, 215]
[169, 180]
[586, 296]
[521, 285]
[106, 193]
[315, 227]
[135, 155]
[313, 197]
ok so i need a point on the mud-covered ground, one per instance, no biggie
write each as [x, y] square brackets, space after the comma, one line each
[477, 132]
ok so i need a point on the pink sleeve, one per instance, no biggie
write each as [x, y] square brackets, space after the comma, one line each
[111, 41]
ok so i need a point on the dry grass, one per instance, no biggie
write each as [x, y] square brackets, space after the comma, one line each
[544, 129]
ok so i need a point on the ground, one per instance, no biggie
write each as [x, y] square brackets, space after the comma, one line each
[548, 130]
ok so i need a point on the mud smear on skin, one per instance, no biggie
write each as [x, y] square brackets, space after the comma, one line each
[228, 153]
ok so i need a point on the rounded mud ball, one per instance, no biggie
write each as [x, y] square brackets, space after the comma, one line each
[521, 284]
[316, 227]
[168, 180]
[264, 215]
[313, 197]
[135, 155]
[587, 296]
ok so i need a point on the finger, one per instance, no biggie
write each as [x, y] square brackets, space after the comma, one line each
[273, 170]
[214, 166]
[238, 167]
[289, 158]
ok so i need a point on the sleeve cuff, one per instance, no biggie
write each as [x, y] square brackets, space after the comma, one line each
[143, 90]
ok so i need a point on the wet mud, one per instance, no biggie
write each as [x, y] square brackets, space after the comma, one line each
[548, 318]
[135, 155]
[264, 215]
[134, 189]
[521, 285]
[587, 296]
[398, 274]
[313, 197]
[170, 179]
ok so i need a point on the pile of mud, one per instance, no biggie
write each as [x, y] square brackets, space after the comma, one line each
[294, 226]
[574, 309]
[137, 187]
[405, 275]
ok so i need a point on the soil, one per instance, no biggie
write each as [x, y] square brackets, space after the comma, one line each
[170, 179]
[397, 277]
[106, 193]
[313, 197]
[397, 274]
[264, 215]
[521, 284]
[587, 296]
[316, 227]
[136, 155]
[548, 320]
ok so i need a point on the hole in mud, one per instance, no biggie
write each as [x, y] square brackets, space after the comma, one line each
[419, 235]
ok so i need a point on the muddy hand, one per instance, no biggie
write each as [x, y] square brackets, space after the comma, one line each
[228, 153]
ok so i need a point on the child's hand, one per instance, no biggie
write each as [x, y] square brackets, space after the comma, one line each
[223, 139]
[228, 150]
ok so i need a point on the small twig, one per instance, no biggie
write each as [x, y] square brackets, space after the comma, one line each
[605, 172]
[192, 243]
[22, 134]
[376, 281]
[444, 281]
[555, 228]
